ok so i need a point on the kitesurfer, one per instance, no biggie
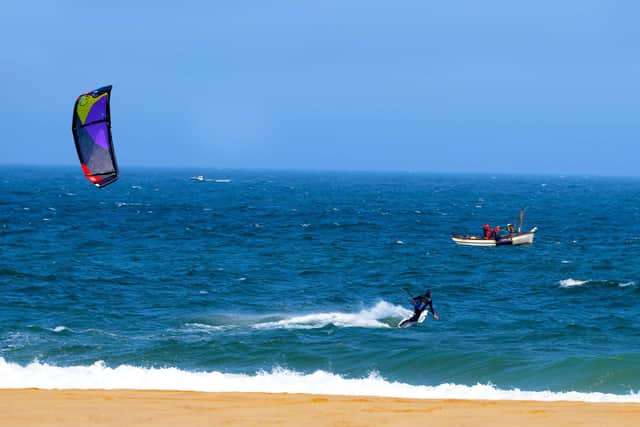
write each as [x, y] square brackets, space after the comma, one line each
[422, 303]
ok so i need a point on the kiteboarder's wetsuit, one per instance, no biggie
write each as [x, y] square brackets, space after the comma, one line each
[420, 304]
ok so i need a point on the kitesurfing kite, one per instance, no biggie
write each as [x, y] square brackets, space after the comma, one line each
[91, 128]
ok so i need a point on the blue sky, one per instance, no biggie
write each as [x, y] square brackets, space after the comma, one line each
[456, 86]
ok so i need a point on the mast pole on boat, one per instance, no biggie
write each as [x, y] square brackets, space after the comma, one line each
[521, 219]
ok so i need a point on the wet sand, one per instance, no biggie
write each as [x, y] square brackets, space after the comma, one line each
[117, 408]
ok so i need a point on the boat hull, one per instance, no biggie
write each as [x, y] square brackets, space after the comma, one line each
[515, 239]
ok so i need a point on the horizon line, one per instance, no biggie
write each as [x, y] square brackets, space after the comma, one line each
[333, 171]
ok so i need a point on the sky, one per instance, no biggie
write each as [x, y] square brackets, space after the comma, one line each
[548, 87]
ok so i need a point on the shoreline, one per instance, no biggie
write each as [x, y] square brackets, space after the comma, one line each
[75, 407]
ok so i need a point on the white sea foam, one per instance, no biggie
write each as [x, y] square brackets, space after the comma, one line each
[100, 376]
[205, 327]
[568, 283]
[370, 318]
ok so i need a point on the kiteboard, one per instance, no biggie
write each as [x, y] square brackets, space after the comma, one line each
[405, 323]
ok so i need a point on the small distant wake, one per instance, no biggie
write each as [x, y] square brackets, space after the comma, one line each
[368, 318]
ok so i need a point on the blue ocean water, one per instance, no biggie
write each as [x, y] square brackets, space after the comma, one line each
[293, 281]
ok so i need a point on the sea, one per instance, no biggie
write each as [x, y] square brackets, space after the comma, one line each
[294, 281]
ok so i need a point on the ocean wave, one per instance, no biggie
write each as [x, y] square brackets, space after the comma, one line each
[205, 327]
[568, 283]
[369, 318]
[100, 376]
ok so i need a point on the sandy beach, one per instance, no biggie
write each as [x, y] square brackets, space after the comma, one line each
[32, 407]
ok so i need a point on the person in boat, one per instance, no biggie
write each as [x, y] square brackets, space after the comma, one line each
[510, 229]
[486, 231]
[422, 303]
[496, 233]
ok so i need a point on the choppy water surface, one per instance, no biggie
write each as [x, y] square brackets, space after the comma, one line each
[292, 281]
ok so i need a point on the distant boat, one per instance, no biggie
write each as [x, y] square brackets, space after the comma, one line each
[197, 178]
[525, 238]
[513, 238]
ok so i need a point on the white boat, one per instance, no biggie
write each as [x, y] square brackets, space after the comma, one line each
[525, 238]
[197, 178]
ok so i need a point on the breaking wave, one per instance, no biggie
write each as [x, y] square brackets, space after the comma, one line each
[568, 283]
[100, 376]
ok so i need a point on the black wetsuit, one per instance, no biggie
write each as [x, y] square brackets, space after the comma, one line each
[420, 304]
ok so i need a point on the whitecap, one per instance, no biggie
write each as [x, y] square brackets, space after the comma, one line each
[278, 380]
[568, 283]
